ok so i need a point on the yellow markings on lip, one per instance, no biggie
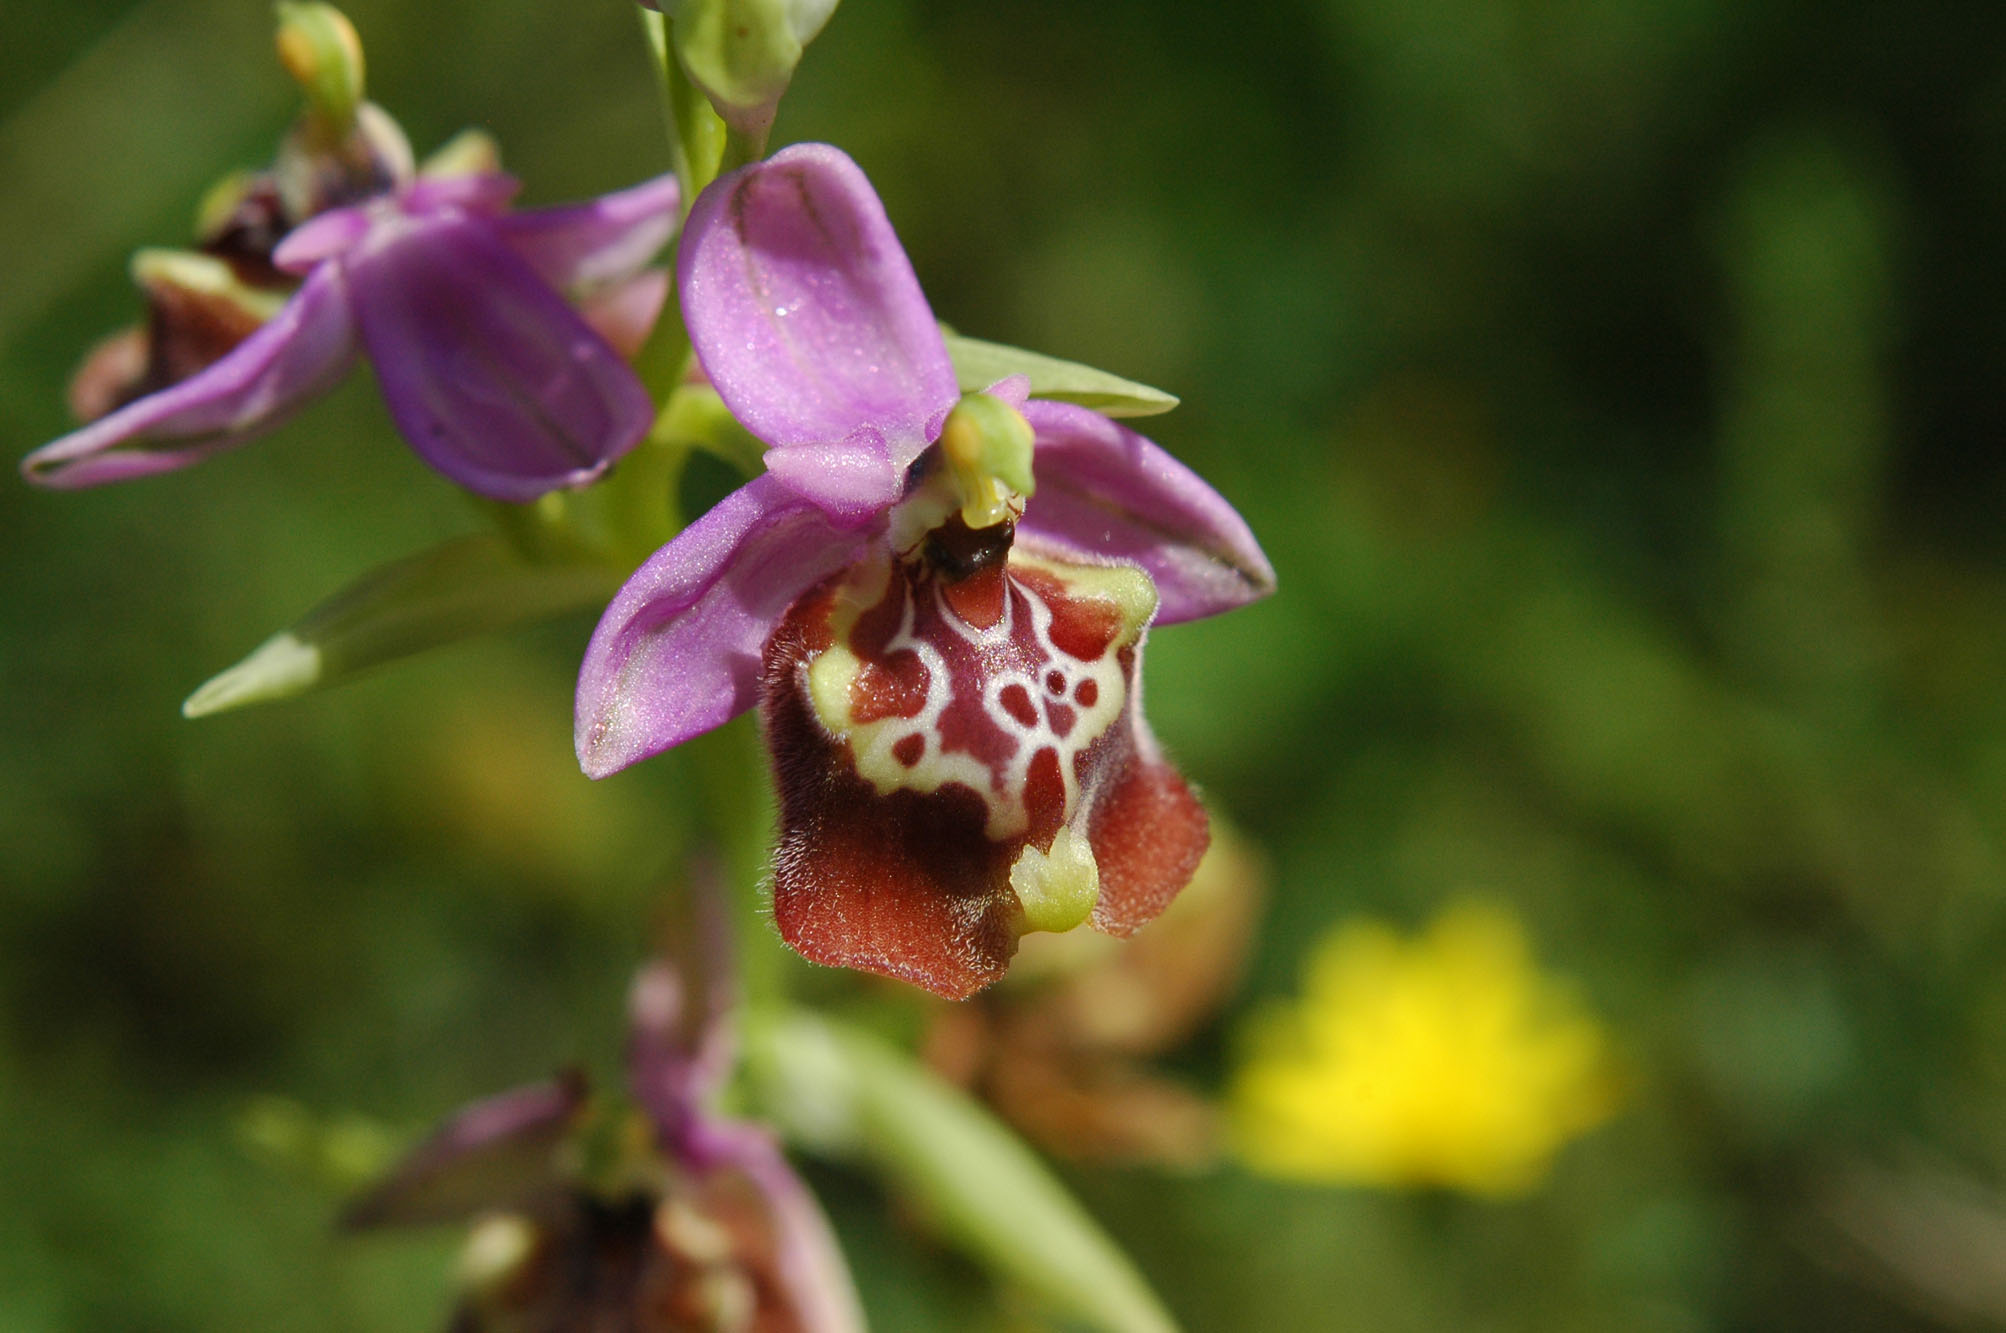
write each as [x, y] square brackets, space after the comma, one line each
[836, 668]
[1127, 589]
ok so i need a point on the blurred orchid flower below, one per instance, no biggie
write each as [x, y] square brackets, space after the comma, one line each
[693, 1222]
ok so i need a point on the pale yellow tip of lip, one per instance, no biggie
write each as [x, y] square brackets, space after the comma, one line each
[1057, 889]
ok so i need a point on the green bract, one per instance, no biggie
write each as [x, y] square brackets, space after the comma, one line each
[469, 586]
[979, 364]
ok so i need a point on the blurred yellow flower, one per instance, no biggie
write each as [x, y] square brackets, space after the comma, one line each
[1444, 1060]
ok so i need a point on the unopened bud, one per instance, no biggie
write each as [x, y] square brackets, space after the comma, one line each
[320, 49]
[742, 53]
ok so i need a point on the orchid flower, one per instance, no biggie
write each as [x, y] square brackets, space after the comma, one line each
[946, 647]
[490, 373]
[706, 1226]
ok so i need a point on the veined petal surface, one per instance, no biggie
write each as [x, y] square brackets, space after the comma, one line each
[295, 356]
[494, 379]
[804, 310]
[1106, 493]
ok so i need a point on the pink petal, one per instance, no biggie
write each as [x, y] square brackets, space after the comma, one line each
[678, 651]
[295, 356]
[849, 480]
[805, 312]
[600, 241]
[485, 192]
[322, 237]
[624, 313]
[1106, 493]
[681, 1040]
[491, 376]
[1012, 389]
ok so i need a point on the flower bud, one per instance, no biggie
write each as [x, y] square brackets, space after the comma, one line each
[319, 48]
[742, 53]
[342, 149]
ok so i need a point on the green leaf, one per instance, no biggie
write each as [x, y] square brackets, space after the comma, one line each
[466, 587]
[979, 364]
[844, 1092]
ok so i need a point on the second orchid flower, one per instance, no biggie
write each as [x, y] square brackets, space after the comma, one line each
[461, 307]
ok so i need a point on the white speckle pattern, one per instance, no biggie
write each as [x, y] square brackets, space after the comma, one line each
[1002, 786]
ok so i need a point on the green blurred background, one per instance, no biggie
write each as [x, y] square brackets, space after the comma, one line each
[1616, 385]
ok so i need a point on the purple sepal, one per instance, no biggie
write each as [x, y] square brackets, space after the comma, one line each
[299, 353]
[600, 241]
[678, 651]
[1106, 493]
[805, 312]
[494, 379]
[493, 1154]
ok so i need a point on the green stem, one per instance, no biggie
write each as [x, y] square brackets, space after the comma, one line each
[741, 148]
[696, 135]
[702, 133]
[698, 144]
[663, 361]
[732, 790]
